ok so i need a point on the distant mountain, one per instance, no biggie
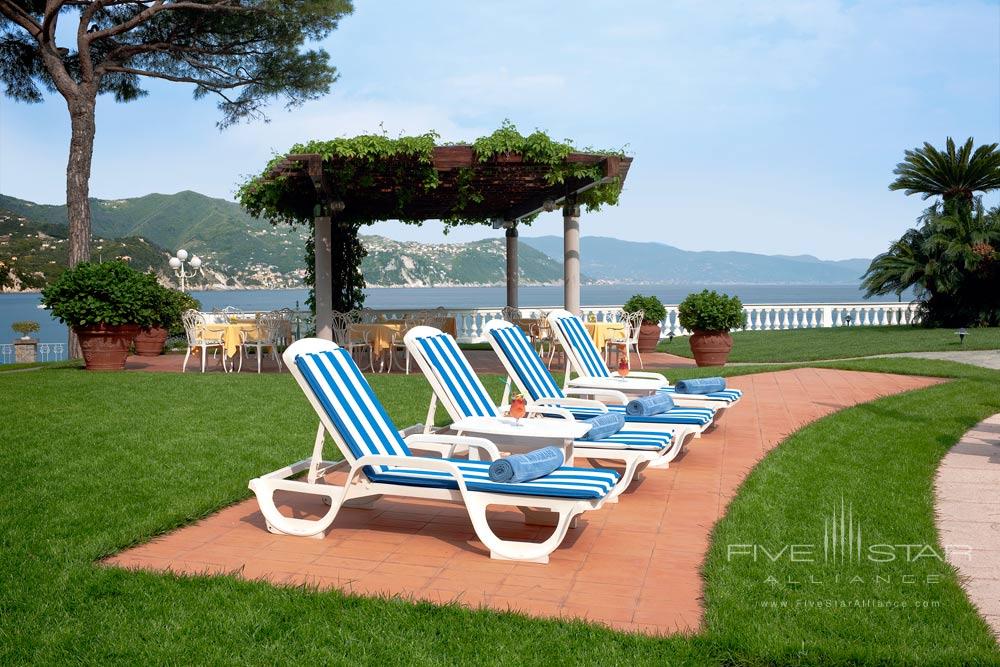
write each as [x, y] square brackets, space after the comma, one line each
[858, 264]
[242, 251]
[37, 252]
[614, 260]
[393, 263]
[247, 250]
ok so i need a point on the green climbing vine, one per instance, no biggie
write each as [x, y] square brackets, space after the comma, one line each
[405, 166]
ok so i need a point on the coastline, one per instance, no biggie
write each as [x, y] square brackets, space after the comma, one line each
[595, 283]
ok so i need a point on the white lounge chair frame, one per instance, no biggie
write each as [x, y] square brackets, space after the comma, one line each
[638, 383]
[634, 460]
[358, 490]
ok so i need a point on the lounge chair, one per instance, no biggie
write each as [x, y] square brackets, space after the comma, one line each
[379, 461]
[535, 382]
[583, 358]
[471, 409]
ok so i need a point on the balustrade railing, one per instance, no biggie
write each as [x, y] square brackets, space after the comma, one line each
[470, 323]
[44, 352]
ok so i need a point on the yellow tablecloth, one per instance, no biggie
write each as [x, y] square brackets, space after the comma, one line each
[230, 334]
[380, 333]
[602, 332]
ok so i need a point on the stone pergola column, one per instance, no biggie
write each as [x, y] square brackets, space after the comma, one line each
[511, 226]
[571, 257]
[323, 288]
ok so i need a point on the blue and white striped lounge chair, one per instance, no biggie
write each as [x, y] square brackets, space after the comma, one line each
[584, 359]
[379, 461]
[463, 395]
[533, 379]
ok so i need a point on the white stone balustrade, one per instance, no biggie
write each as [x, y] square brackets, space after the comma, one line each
[471, 322]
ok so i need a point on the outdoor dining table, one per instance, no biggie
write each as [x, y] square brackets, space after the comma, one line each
[602, 332]
[232, 334]
[380, 334]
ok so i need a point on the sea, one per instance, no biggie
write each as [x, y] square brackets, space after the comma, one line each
[26, 306]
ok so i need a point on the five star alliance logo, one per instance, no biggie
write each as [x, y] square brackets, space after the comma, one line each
[841, 536]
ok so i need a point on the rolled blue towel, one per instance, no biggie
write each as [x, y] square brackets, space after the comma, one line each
[604, 425]
[647, 406]
[526, 467]
[700, 385]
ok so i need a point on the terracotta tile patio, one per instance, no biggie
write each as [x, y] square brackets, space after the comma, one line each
[632, 565]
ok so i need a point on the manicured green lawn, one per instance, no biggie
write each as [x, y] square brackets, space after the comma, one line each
[96, 462]
[843, 342]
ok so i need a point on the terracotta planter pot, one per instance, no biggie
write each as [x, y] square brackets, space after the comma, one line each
[105, 347]
[711, 348]
[649, 336]
[149, 342]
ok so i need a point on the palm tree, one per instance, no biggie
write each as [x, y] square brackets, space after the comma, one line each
[950, 260]
[954, 175]
[904, 265]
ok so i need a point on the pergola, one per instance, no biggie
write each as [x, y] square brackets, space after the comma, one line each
[506, 189]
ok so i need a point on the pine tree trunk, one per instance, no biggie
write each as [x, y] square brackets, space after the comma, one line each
[81, 152]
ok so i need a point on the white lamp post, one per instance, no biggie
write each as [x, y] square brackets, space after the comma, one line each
[181, 271]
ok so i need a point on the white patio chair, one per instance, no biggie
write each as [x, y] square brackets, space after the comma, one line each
[379, 461]
[510, 313]
[195, 331]
[398, 344]
[629, 341]
[352, 339]
[270, 330]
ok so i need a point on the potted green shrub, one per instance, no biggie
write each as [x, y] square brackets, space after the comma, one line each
[105, 304]
[710, 317]
[653, 313]
[25, 328]
[169, 306]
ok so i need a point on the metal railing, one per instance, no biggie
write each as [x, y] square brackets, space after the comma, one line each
[44, 352]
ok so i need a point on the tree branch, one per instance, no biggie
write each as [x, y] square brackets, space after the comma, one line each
[214, 86]
[160, 6]
[22, 18]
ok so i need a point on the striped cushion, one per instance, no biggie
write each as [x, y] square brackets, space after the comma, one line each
[452, 370]
[531, 372]
[566, 482]
[362, 422]
[676, 415]
[625, 439]
[583, 346]
[350, 403]
[727, 395]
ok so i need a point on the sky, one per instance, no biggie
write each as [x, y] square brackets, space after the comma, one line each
[768, 127]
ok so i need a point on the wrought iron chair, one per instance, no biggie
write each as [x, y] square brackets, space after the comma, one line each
[271, 330]
[630, 340]
[410, 320]
[195, 325]
[349, 338]
[511, 314]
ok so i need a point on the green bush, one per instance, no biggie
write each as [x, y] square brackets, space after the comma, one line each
[711, 311]
[651, 306]
[172, 306]
[112, 293]
[25, 327]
